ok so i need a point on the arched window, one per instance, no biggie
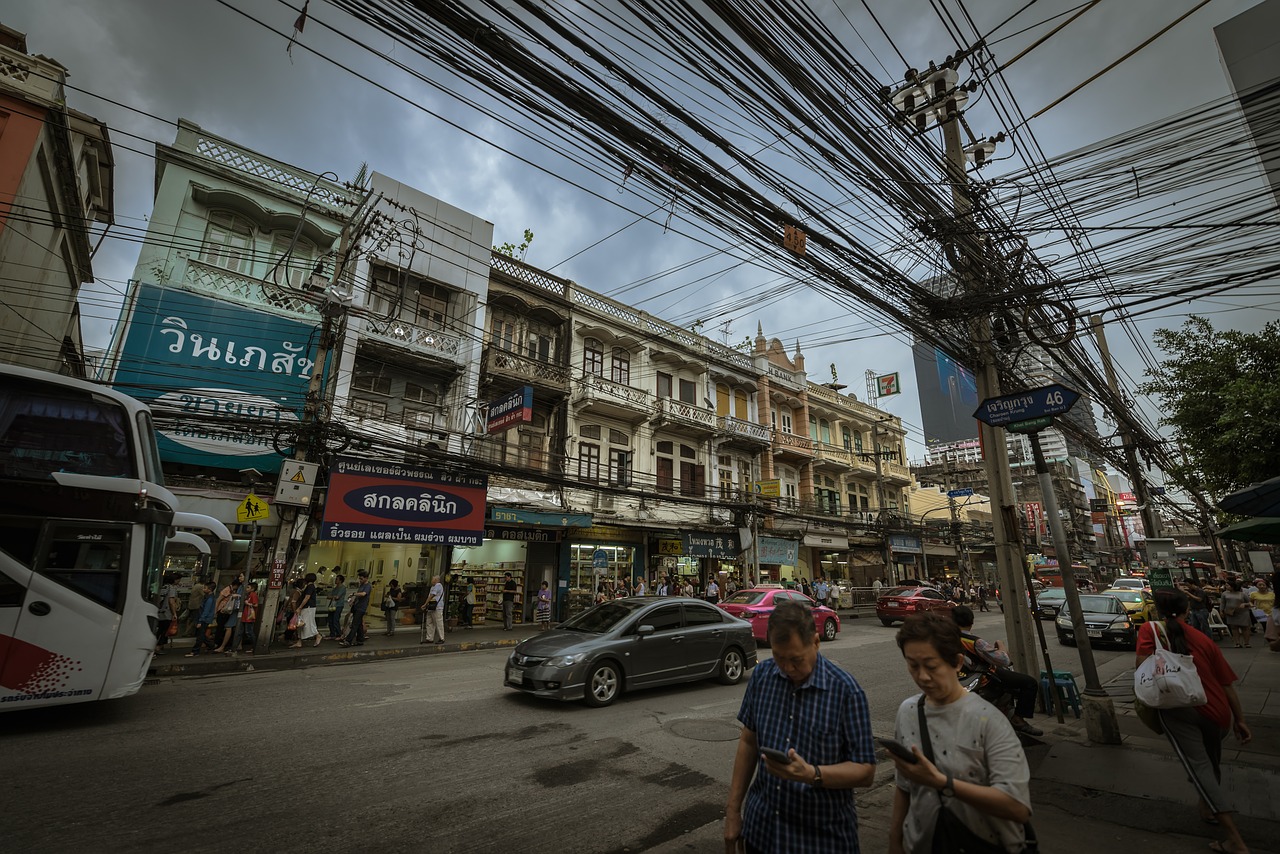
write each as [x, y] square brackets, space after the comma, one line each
[294, 270]
[740, 404]
[228, 242]
[824, 427]
[620, 366]
[722, 399]
[593, 357]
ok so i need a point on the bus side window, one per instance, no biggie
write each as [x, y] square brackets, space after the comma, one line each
[88, 559]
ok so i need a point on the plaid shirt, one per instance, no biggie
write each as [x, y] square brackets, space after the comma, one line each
[827, 721]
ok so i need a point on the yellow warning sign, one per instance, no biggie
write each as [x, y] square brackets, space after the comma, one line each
[298, 477]
[252, 509]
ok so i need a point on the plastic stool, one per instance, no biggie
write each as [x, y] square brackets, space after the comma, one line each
[1067, 690]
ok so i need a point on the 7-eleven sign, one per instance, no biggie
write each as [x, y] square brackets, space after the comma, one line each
[887, 385]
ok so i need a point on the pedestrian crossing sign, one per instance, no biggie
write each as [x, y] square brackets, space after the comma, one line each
[252, 509]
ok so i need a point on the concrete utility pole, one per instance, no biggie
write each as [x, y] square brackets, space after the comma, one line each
[890, 575]
[1150, 518]
[1009, 559]
[331, 310]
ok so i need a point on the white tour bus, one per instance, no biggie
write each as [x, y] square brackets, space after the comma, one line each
[84, 521]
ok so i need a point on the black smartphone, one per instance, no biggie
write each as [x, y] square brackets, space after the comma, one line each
[776, 755]
[898, 750]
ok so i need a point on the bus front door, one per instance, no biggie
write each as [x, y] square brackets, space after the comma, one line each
[64, 633]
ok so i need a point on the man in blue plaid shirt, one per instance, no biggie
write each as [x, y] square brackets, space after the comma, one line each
[816, 713]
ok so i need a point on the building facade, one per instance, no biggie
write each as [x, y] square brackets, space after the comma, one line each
[56, 189]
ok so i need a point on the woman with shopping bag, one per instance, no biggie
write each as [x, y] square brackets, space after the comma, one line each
[1206, 684]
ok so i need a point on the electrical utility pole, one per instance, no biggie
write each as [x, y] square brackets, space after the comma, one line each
[891, 575]
[1150, 518]
[333, 306]
[935, 94]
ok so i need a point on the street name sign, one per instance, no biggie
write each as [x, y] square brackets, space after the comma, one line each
[1034, 425]
[960, 493]
[1029, 405]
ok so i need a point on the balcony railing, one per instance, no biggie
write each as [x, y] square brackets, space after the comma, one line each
[522, 272]
[605, 390]
[828, 395]
[241, 288]
[790, 441]
[226, 153]
[525, 368]
[432, 341]
[834, 454]
[679, 412]
[897, 470]
[736, 427]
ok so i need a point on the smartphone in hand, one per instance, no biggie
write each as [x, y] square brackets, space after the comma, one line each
[779, 756]
[898, 750]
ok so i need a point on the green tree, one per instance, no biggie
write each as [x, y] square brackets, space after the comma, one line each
[1220, 392]
[516, 251]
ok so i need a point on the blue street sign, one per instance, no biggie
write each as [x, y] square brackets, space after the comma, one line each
[960, 493]
[1026, 405]
[1155, 490]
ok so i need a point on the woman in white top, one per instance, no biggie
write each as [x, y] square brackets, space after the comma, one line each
[982, 778]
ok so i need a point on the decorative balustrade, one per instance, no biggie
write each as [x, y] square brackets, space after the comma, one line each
[834, 454]
[680, 412]
[300, 181]
[531, 369]
[829, 395]
[791, 441]
[442, 344]
[522, 272]
[633, 397]
[745, 429]
[217, 281]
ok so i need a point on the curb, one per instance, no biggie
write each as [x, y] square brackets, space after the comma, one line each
[254, 663]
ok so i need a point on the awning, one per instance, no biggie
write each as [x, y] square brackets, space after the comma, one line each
[1260, 499]
[1263, 529]
[830, 542]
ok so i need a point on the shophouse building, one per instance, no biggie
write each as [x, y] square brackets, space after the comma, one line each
[56, 200]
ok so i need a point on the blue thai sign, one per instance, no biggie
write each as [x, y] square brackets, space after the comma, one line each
[371, 501]
[1028, 405]
[224, 378]
[783, 552]
[904, 543]
[516, 516]
[515, 408]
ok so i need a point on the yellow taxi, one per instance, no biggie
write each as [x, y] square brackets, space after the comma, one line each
[1140, 604]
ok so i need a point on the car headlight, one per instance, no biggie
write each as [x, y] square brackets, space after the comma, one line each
[567, 660]
[1064, 622]
[1122, 624]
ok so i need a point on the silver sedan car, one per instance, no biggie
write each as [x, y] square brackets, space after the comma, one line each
[632, 643]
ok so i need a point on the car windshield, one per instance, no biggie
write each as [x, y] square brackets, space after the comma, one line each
[900, 591]
[1100, 605]
[601, 618]
[1127, 595]
[745, 597]
[1052, 593]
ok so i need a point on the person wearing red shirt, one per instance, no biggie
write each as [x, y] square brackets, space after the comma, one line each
[1197, 733]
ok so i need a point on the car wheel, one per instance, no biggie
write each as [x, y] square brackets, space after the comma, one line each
[829, 630]
[884, 621]
[603, 684]
[732, 667]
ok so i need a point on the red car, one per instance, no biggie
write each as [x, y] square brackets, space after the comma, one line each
[899, 603]
[756, 605]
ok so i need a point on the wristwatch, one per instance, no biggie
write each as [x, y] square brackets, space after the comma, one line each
[817, 777]
[948, 788]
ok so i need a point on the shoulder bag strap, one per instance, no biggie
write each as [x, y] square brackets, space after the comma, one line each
[1155, 632]
[925, 744]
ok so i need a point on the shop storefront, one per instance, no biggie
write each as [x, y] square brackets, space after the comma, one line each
[827, 555]
[696, 557]
[412, 565]
[908, 557]
[541, 535]
[594, 556]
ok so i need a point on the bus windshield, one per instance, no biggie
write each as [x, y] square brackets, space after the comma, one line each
[44, 431]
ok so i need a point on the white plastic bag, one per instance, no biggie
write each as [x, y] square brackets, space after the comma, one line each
[1167, 680]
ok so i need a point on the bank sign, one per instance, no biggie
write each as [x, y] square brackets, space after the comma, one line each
[224, 378]
[371, 501]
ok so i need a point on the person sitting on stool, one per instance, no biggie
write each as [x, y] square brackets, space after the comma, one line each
[1021, 687]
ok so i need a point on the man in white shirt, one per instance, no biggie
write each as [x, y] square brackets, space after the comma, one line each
[713, 591]
[433, 613]
[640, 587]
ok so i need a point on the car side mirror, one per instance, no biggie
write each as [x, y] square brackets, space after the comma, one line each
[645, 630]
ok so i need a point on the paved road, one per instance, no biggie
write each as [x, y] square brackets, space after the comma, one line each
[429, 753]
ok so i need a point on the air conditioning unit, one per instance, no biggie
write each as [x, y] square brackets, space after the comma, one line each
[606, 503]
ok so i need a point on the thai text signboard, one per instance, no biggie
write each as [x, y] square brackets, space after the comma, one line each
[372, 501]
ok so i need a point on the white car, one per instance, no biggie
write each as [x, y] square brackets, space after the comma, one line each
[1130, 583]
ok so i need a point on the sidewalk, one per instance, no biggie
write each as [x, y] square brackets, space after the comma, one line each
[404, 644]
[1117, 797]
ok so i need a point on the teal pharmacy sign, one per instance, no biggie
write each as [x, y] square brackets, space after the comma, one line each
[223, 379]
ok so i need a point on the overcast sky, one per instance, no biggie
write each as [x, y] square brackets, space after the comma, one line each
[200, 60]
